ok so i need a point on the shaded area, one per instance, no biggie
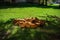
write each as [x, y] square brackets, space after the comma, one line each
[24, 5]
[50, 31]
[4, 27]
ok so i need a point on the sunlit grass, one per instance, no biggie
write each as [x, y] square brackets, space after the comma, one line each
[40, 33]
[8, 13]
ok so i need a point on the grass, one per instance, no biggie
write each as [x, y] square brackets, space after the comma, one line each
[8, 31]
[50, 31]
[22, 12]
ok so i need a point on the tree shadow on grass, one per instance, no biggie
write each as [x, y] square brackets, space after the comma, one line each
[24, 5]
[21, 34]
[46, 36]
[4, 27]
[50, 31]
[53, 22]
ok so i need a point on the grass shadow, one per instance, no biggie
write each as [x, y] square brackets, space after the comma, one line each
[4, 27]
[50, 31]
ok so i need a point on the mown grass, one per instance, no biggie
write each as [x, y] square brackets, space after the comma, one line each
[22, 12]
[50, 31]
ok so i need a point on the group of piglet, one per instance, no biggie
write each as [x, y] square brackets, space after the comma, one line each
[32, 22]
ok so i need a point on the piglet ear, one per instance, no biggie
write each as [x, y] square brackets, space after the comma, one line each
[14, 21]
[42, 22]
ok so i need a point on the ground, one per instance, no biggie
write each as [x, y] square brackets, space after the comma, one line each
[22, 12]
[8, 31]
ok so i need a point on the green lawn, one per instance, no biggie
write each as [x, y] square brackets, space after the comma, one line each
[8, 31]
[8, 13]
